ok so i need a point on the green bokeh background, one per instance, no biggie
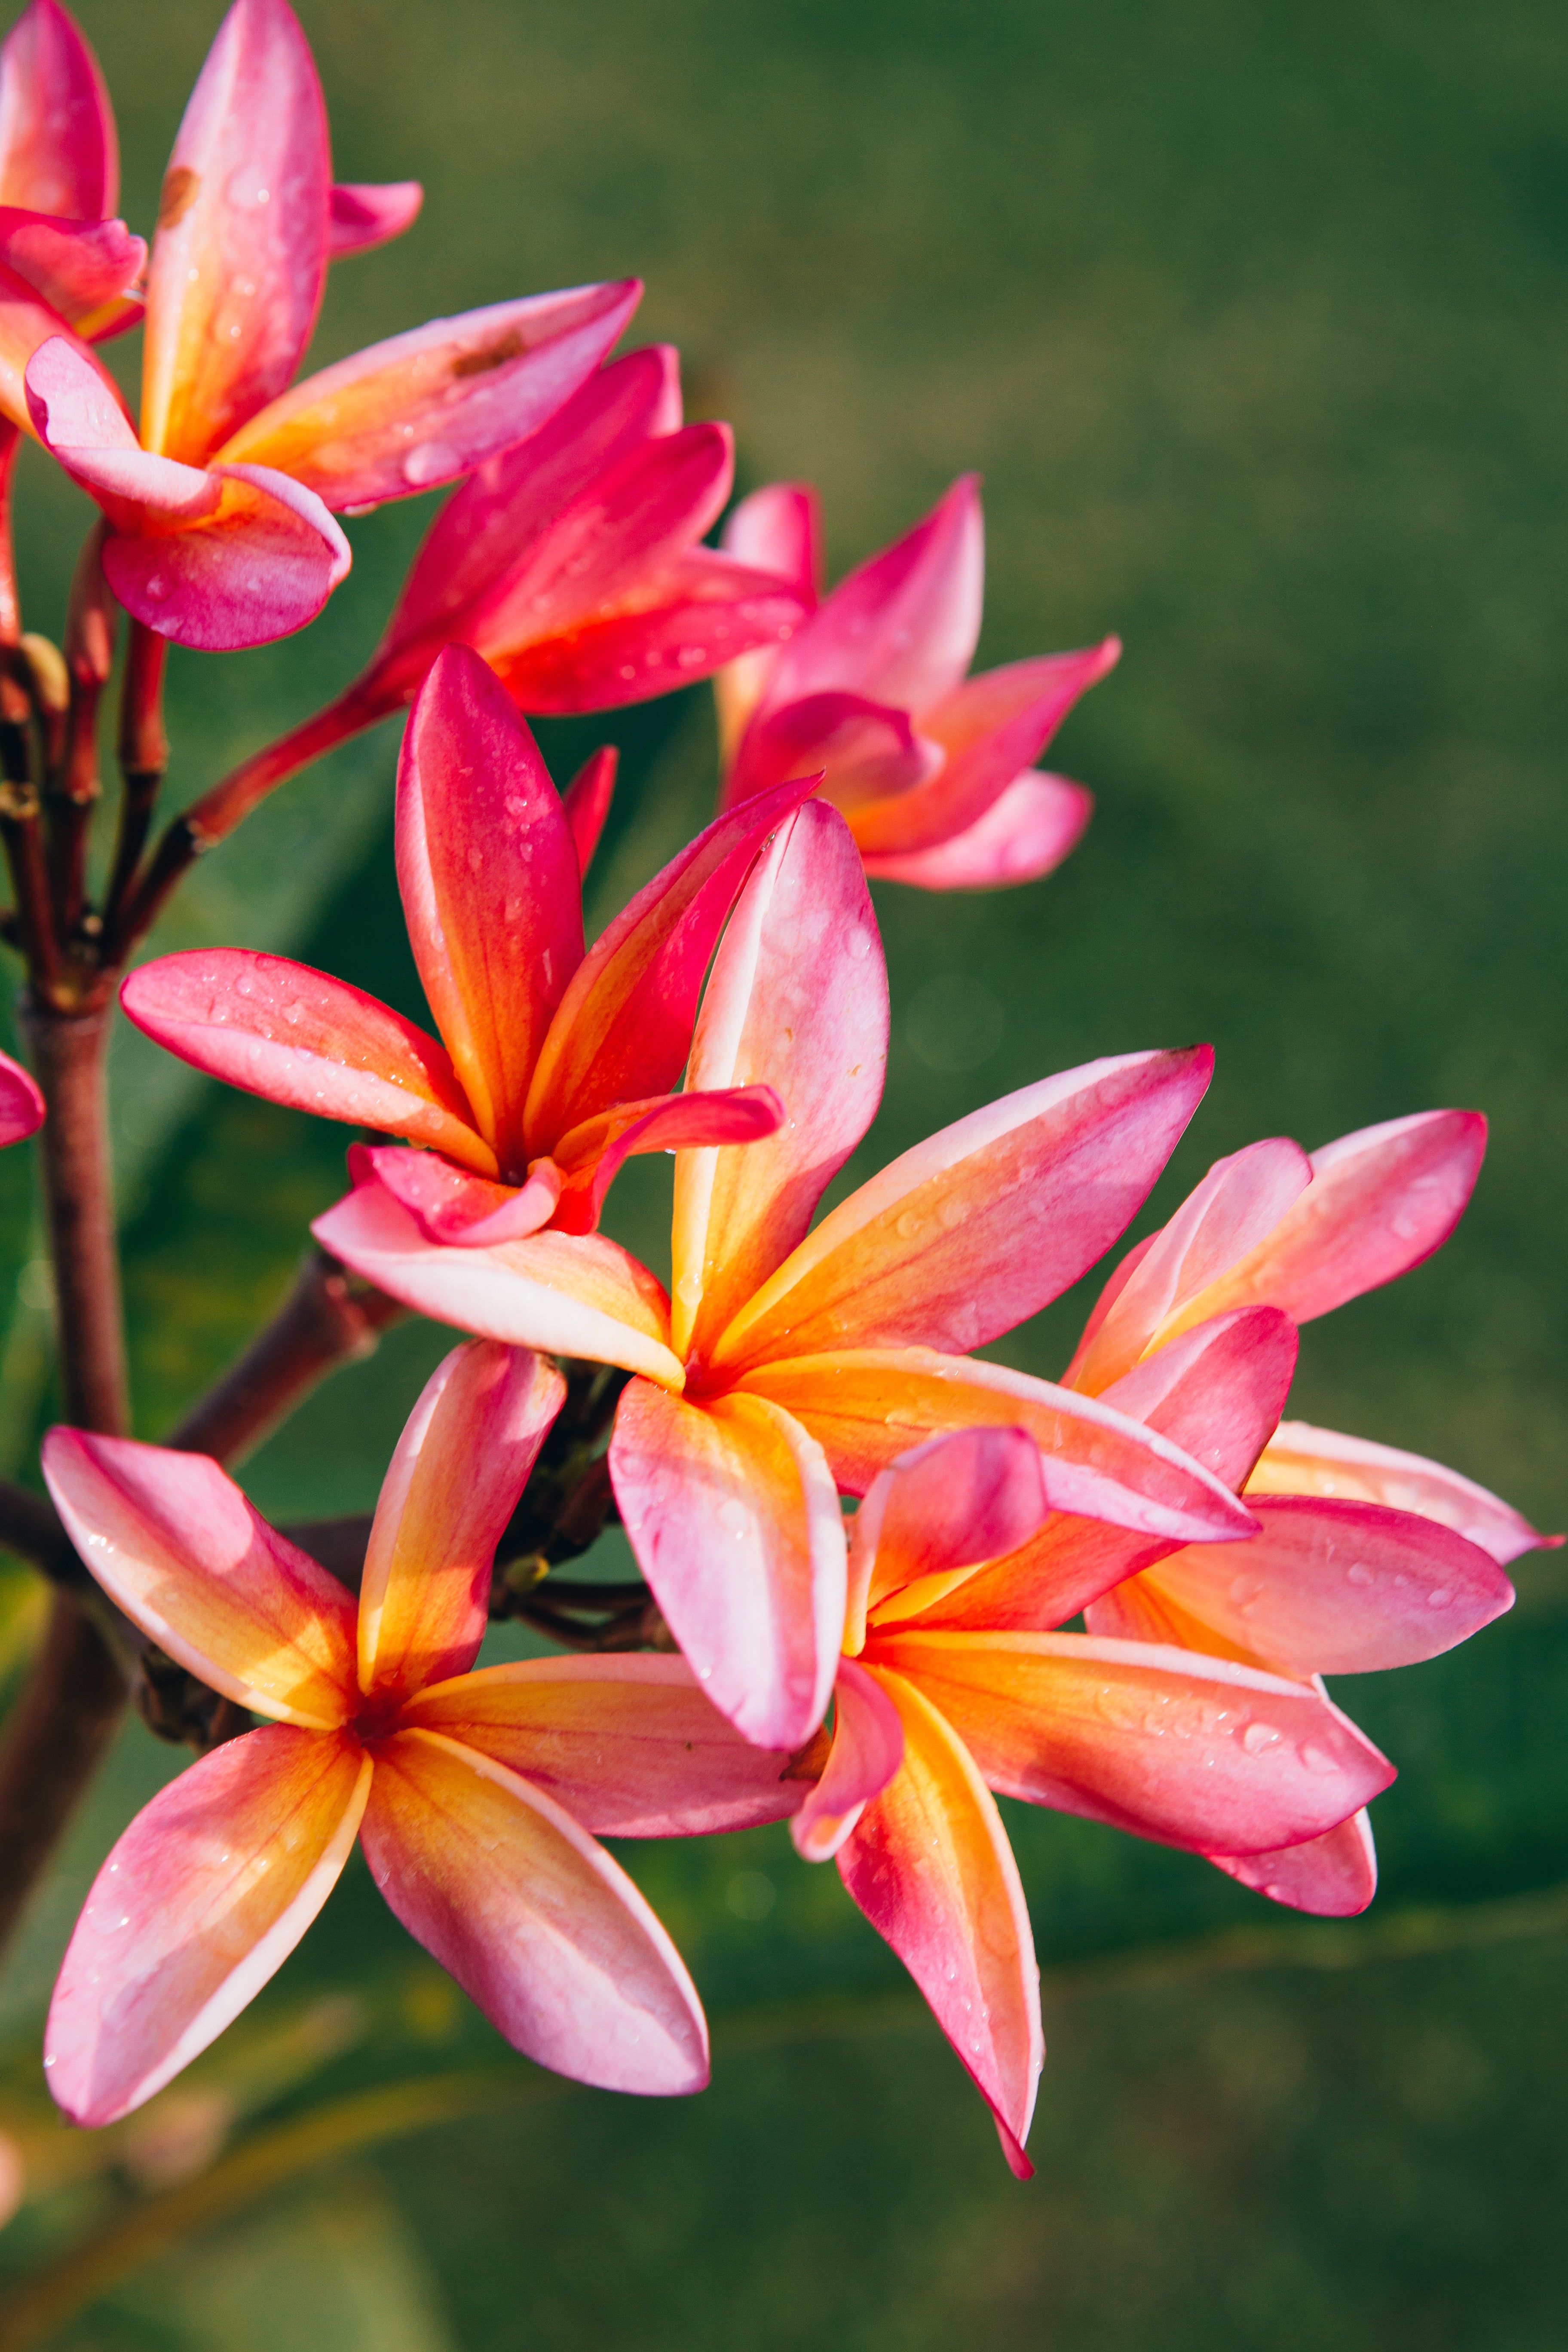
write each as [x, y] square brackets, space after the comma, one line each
[1253, 321]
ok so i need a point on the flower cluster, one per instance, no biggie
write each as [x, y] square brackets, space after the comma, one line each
[867, 1547]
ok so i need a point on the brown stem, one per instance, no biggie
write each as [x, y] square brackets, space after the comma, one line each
[53, 1744]
[75, 788]
[23, 842]
[10, 602]
[144, 756]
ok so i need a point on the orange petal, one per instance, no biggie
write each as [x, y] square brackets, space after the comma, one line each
[1301, 1460]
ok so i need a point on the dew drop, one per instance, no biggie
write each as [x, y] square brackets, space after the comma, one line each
[1258, 1737]
[1440, 1599]
[1358, 1573]
[430, 461]
[1317, 1760]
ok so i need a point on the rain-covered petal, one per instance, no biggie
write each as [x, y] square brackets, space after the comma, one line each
[490, 879]
[797, 998]
[453, 1482]
[1193, 1751]
[586, 802]
[262, 566]
[540, 1928]
[565, 1294]
[1301, 1460]
[623, 1030]
[1333, 1876]
[364, 214]
[240, 253]
[930, 1865]
[988, 1221]
[199, 1905]
[301, 1037]
[21, 1102]
[733, 1517]
[626, 1742]
[868, 1749]
[1028, 829]
[420, 409]
[178, 1548]
[59, 152]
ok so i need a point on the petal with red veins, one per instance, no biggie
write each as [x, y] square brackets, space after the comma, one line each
[364, 214]
[199, 1903]
[59, 152]
[930, 1865]
[240, 253]
[1301, 1460]
[21, 1102]
[868, 1749]
[1032, 825]
[733, 1517]
[453, 1482]
[797, 997]
[540, 1928]
[1333, 1876]
[262, 567]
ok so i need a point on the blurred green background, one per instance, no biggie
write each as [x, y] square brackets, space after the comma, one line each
[1253, 321]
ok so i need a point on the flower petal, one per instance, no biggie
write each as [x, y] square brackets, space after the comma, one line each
[1301, 1460]
[21, 1102]
[448, 1203]
[798, 997]
[59, 152]
[364, 214]
[586, 802]
[199, 1903]
[868, 1749]
[776, 529]
[240, 254]
[175, 1543]
[80, 267]
[1238, 1206]
[261, 567]
[969, 1496]
[1380, 1202]
[70, 381]
[540, 1928]
[930, 1865]
[734, 1520]
[460, 1466]
[1029, 828]
[298, 1036]
[623, 1030]
[1333, 1876]
[1192, 1752]
[490, 887]
[626, 1742]
[594, 1153]
[420, 409]
[974, 1230]
[563, 1294]
[868, 1405]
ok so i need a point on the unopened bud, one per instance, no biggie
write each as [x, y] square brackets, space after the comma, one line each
[90, 619]
[47, 668]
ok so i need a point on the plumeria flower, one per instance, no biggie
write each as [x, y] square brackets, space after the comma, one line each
[930, 1717]
[794, 1366]
[21, 1103]
[552, 1067]
[377, 1730]
[222, 511]
[933, 769]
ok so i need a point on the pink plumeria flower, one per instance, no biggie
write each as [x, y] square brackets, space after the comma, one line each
[553, 1065]
[222, 511]
[21, 1103]
[931, 1715]
[377, 1730]
[933, 769]
[791, 1366]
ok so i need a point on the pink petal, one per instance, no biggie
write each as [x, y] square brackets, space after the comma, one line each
[177, 1547]
[261, 568]
[1191, 1751]
[563, 1294]
[489, 881]
[1338, 1588]
[489, 527]
[1301, 1460]
[970, 1496]
[80, 269]
[416, 412]
[930, 1865]
[448, 1203]
[734, 1520]
[21, 1102]
[48, 373]
[540, 1928]
[798, 997]
[1029, 828]
[1333, 1876]
[298, 1036]
[779, 530]
[1238, 1206]
[868, 1749]
[867, 1406]
[198, 1906]
[586, 802]
[460, 1466]
[993, 726]
[626, 1742]
[623, 1030]
[959, 1239]
[733, 1116]
[1379, 1203]
[364, 214]
[240, 254]
[59, 152]
[867, 750]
